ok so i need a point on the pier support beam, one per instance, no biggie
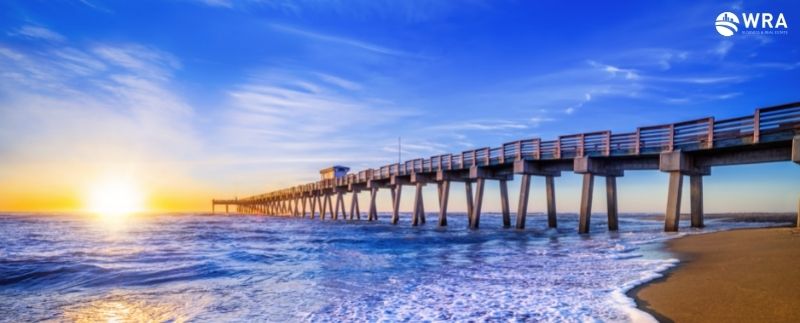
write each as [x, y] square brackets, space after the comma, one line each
[373, 208]
[339, 206]
[470, 204]
[418, 216]
[673, 214]
[421, 208]
[330, 205]
[476, 209]
[325, 200]
[550, 190]
[522, 206]
[397, 192]
[586, 203]
[304, 205]
[504, 203]
[696, 197]
[611, 202]
[677, 164]
[444, 195]
[314, 200]
[355, 212]
[327, 206]
[591, 167]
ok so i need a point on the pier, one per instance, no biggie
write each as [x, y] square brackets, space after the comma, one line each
[689, 148]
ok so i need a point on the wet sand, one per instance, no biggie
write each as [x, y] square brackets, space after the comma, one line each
[750, 275]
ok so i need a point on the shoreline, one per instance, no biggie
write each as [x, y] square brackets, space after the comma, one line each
[733, 275]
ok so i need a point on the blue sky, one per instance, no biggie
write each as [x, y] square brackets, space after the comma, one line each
[221, 98]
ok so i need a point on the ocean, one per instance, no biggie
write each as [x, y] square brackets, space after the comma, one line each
[185, 267]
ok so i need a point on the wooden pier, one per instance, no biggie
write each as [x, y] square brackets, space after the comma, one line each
[688, 148]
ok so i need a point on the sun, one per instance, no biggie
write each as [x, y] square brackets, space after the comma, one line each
[114, 197]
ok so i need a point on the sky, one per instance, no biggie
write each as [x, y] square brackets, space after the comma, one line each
[191, 100]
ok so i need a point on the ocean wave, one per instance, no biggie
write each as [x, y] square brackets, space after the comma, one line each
[254, 268]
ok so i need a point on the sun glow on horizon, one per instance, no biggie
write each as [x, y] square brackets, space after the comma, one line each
[114, 197]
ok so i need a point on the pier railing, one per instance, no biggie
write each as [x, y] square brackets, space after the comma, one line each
[765, 125]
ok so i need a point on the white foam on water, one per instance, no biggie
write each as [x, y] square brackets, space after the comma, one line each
[257, 268]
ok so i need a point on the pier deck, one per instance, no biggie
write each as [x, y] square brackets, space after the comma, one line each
[689, 148]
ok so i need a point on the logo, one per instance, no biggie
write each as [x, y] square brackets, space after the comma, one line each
[758, 23]
[727, 24]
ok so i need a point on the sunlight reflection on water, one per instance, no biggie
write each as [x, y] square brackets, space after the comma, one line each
[251, 268]
[119, 309]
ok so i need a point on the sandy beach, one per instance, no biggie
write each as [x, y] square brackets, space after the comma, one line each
[750, 275]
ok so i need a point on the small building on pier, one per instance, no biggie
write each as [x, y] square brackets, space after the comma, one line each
[334, 172]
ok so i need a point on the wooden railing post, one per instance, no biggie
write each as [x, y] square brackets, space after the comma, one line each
[757, 126]
[638, 140]
[608, 143]
[671, 146]
[557, 153]
[519, 150]
[710, 133]
[581, 145]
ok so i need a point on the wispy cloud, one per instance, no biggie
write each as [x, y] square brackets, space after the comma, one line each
[271, 114]
[37, 32]
[723, 48]
[342, 41]
[340, 82]
[614, 71]
[703, 80]
[92, 113]
[480, 125]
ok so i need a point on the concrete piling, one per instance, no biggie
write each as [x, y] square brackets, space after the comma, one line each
[586, 203]
[673, 214]
[417, 215]
[444, 195]
[611, 202]
[550, 189]
[355, 213]
[470, 204]
[476, 209]
[398, 190]
[372, 215]
[696, 197]
[522, 206]
[504, 204]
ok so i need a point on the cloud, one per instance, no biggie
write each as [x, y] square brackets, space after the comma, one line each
[723, 48]
[340, 82]
[629, 74]
[37, 32]
[342, 41]
[480, 125]
[703, 80]
[336, 122]
[83, 112]
[138, 59]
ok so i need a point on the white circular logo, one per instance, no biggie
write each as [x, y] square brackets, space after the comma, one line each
[727, 24]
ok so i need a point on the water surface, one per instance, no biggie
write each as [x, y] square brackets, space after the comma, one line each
[186, 267]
